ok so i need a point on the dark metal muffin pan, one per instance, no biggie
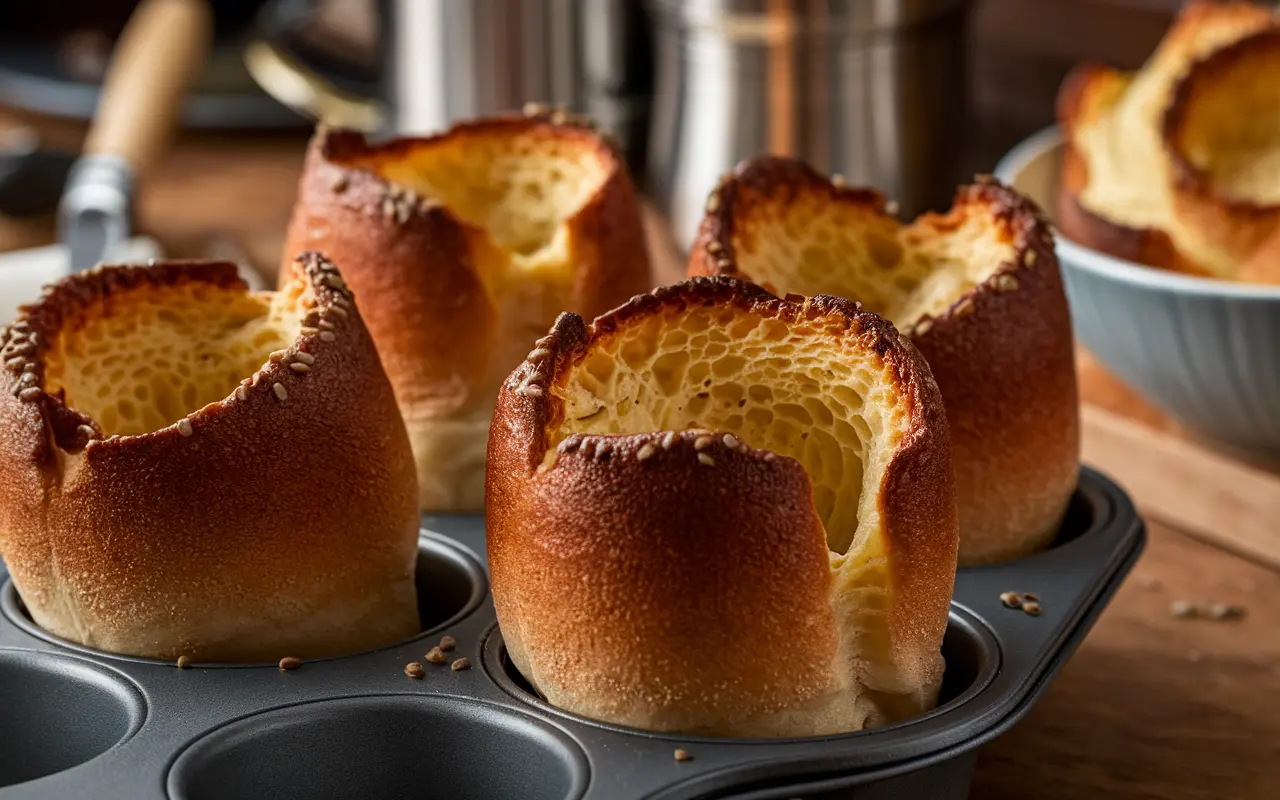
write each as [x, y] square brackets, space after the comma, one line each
[77, 723]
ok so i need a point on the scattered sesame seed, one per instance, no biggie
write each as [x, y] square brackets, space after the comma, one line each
[964, 307]
[1181, 609]
[304, 357]
[731, 441]
[1011, 599]
[281, 393]
[184, 427]
[460, 664]
[435, 656]
[388, 207]
[682, 755]
[530, 390]
[339, 184]
[1006, 282]
[568, 445]
[1030, 258]
[646, 451]
[535, 377]
[27, 377]
[668, 440]
[253, 381]
[714, 247]
[85, 431]
[414, 670]
[923, 326]
[276, 357]
[702, 442]
[241, 393]
[183, 662]
[536, 353]
[335, 281]
[713, 202]
[1032, 596]
[15, 363]
[324, 323]
[298, 366]
[1225, 611]
[30, 393]
[447, 643]
[308, 331]
[724, 263]
[1031, 607]
[706, 459]
[339, 310]
[327, 336]
[289, 663]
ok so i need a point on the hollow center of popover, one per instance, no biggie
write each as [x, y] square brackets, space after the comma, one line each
[519, 187]
[140, 360]
[1231, 129]
[811, 246]
[787, 387]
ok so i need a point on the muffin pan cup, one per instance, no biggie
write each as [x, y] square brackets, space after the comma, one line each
[77, 723]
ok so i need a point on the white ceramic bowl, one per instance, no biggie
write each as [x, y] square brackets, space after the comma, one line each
[1207, 352]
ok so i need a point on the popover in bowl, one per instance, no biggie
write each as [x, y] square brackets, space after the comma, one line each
[191, 469]
[977, 290]
[716, 511]
[463, 247]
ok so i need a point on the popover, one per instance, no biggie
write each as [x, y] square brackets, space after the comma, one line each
[717, 511]
[977, 290]
[191, 469]
[463, 247]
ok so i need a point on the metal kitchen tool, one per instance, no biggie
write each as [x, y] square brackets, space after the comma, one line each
[157, 57]
[870, 89]
[79, 723]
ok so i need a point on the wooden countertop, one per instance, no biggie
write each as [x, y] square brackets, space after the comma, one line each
[1150, 706]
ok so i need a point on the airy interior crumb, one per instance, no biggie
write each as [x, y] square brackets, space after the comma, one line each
[143, 359]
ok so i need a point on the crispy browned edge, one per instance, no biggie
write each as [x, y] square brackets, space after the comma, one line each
[415, 278]
[601, 564]
[1002, 356]
[1241, 225]
[301, 512]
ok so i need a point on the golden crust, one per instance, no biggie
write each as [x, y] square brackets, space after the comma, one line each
[447, 326]
[251, 529]
[681, 580]
[1000, 350]
[1122, 153]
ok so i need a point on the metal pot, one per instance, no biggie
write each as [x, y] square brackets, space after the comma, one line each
[870, 89]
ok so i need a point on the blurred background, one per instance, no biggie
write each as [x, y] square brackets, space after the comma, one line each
[912, 96]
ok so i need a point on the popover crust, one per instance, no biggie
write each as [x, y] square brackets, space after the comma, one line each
[680, 578]
[463, 247]
[978, 290]
[279, 520]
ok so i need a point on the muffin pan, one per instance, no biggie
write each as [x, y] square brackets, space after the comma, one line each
[78, 723]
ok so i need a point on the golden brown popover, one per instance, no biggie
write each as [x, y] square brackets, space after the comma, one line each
[977, 290]
[191, 469]
[463, 247]
[1158, 166]
[716, 511]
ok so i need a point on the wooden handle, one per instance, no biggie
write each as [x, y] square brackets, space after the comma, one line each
[1187, 486]
[158, 56]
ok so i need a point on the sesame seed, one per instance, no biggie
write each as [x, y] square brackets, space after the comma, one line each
[298, 366]
[1011, 599]
[414, 670]
[276, 357]
[713, 202]
[1031, 607]
[447, 643]
[308, 331]
[327, 336]
[435, 656]
[253, 381]
[460, 664]
[339, 184]
[1225, 611]
[1030, 258]
[536, 353]
[702, 442]
[30, 366]
[731, 441]
[706, 459]
[184, 427]
[183, 662]
[27, 377]
[289, 663]
[964, 307]
[85, 431]
[241, 393]
[568, 445]
[15, 364]
[529, 391]
[1031, 596]
[1181, 609]
[335, 282]
[339, 310]
[304, 357]
[682, 755]
[646, 451]
[33, 338]
[324, 323]
[1006, 282]
[535, 377]
[714, 247]
[281, 393]
[29, 393]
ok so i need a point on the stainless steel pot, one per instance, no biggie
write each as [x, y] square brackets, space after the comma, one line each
[870, 89]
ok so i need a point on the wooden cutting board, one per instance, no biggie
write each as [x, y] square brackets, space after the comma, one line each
[1150, 707]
